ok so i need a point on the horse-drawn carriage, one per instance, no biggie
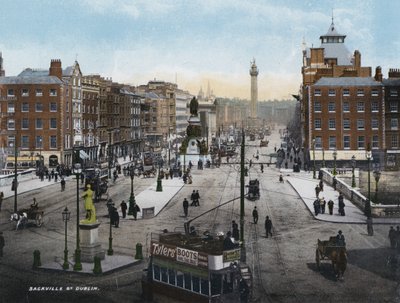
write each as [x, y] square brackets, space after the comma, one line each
[333, 251]
[149, 171]
[23, 216]
[253, 190]
[264, 143]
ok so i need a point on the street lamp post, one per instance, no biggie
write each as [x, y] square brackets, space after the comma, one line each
[377, 175]
[353, 165]
[159, 182]
[66, 216]
[78, 264]
[314, 174]
[132, 197]
[110, 250]
[334, 162]
[368, 202]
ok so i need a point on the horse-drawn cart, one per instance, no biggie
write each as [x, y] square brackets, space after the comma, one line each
[24, 215]
[253, 190]
[336, 253]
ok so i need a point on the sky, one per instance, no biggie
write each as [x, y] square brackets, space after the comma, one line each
[194, 42]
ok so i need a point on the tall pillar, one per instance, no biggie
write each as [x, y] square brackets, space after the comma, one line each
[254, 90]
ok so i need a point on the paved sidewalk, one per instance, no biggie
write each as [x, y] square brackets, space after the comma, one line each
[304, 184]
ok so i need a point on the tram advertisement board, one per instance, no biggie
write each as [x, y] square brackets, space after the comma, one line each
[231, 255]
[182, 255]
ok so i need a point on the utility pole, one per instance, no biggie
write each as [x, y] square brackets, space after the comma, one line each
[243, 248]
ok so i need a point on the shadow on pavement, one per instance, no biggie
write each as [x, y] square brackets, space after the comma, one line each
[325, 270]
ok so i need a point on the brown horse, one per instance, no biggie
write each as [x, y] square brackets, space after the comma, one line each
[339, 262]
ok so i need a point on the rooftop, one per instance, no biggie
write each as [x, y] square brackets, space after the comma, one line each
[348, 81]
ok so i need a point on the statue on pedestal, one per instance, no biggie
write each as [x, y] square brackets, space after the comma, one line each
[194, 105]
[89, 206]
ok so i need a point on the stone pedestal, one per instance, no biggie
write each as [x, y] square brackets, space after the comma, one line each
[89, 244]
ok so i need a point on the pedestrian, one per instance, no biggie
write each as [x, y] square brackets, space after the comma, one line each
[185, 207]
[124, 207]
[262, 167]
[62, 184]
[281, 178]
[330, 206]
[341, 204]
[136, 209]
[397, 238]
[197, 198]
[1, 199]
[235, 230]
[317, 190]
[192, 198]
[321, 185]
[2, 243]
[340, 241]
[268, 226]
[334, 183]
[114, 216]
[56, 176]
[392, 237]
[370, 227]
[316, 207]
[255, 215]
[322, 203]
[320, 174]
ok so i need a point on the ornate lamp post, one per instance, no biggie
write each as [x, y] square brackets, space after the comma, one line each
[77, 172]
[314, 175]
[159, 182]
[377, 175]
[110, 250]
[334, 162]
[132, 197]
[368, 155]
[353, 166]
[66, 216]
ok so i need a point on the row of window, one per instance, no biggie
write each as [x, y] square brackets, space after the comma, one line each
[25, 92]
[346, 92]
[39, 122]
[185, 280]
[394, 124]
[38, 142]
[394, 142]
[39, 107]
[393, 106]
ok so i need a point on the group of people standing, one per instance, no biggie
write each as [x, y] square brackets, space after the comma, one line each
[195, 198]
[267, 223]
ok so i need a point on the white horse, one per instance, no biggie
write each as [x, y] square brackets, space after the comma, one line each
[21, 219]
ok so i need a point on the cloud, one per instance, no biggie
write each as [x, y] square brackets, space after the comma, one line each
[129, 8]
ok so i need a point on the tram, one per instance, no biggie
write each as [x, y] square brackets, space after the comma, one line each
[194, 268]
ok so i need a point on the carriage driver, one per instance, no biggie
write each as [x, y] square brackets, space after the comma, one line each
[340, 239]
[34, 205]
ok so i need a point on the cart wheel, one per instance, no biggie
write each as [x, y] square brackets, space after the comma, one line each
[317, 259]
[39, 220]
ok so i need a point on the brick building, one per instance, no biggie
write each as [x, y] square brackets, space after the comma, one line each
[32, 113]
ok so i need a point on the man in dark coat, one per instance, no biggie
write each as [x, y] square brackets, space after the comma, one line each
[62, 184]
[268, 226]
[334, 183]
[255, 215]
[317, 206]
[341, 204]
[330, 206]
[197, 198]
[317, 190]
[185, 207]
[124, 207]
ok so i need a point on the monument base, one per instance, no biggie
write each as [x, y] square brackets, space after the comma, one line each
[89, 242]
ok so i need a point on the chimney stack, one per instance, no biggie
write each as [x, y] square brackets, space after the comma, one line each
[55, 68]
[378, 74]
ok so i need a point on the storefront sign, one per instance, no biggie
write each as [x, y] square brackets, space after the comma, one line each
[187, 256]
[163, 250]
[231, 255]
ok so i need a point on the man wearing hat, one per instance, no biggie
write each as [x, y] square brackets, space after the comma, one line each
[340, 239]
